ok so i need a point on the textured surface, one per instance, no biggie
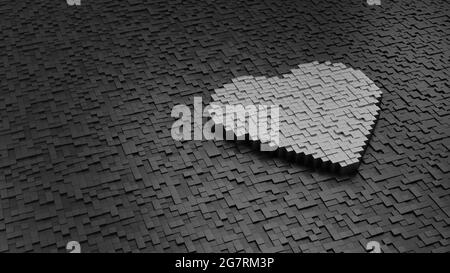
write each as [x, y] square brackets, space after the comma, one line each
[85, 146]
[327, 111]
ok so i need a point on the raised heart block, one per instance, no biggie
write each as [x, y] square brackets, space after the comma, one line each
[327, 111]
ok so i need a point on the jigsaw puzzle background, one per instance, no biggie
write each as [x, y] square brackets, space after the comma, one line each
[85, 147]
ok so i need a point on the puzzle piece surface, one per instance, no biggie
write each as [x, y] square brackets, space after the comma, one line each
[86, 152]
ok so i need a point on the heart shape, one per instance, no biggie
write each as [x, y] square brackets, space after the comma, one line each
[327, 111]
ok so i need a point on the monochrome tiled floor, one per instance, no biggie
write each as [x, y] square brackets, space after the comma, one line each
[86, 154]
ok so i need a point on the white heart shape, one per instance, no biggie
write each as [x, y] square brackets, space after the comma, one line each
[327, 111]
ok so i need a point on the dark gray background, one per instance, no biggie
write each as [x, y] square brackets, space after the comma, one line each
[86, 153]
